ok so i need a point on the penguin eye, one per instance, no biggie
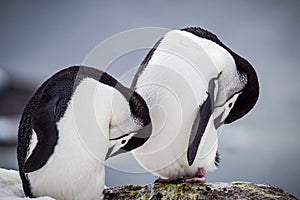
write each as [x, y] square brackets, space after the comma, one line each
[230, 104]
[123, 141]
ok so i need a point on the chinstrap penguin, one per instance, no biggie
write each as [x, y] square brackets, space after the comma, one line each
[74, 121]
[192, 84]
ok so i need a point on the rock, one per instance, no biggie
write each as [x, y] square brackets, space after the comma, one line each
[233, 190]
[11, 189]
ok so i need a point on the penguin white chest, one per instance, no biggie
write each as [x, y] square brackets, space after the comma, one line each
[176, 79]
[174, 103]
[200, 84]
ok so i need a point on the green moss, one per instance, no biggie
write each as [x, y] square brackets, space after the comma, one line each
[132, 194]
[144, 198]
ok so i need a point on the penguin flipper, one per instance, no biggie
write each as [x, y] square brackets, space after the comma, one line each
[198, 129]
[44, 124]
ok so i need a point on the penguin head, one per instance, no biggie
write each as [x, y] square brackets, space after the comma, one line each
[241, 94]
[240, 99]
[130, 128]
[248, 96]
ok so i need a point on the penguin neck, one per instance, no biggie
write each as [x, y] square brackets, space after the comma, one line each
[87, 118]
[122, 121]
[106, 108]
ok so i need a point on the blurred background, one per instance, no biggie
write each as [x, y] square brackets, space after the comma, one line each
[38, 38]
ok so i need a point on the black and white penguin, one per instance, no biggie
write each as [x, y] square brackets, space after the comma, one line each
[74, 121]
[192, 84]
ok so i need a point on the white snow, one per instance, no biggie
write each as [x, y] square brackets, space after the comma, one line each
[11, 186]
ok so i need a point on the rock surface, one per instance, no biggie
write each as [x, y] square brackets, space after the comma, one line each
[11, 189]
[233, 190]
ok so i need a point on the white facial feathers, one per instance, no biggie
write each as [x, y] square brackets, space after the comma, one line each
[122, 121]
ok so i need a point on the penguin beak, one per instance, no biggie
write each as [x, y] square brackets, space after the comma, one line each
[108, 154]
[113, 151]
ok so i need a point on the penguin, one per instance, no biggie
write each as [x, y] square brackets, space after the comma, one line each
[76, 119]
[193, 84]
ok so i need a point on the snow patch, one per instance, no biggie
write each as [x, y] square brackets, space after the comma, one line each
[11, 186]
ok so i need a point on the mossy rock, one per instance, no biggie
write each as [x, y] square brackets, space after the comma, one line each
[233, 190]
